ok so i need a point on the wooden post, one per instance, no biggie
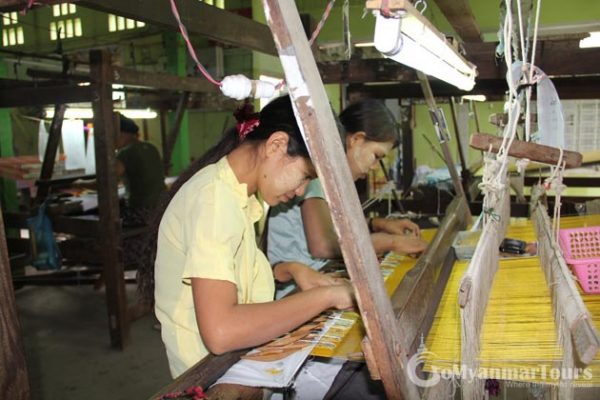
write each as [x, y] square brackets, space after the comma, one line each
[474, 291]
[174, 131]
[108, 202]
[415, 292]
[14, 382]
[320, 132]
[442, 130]
[566, 301]
[50, 153]
[408, 159]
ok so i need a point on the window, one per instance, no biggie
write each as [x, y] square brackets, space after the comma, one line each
[67, 29]
[117, 23]
[12, 33]
[217, 3]
[60, 10]
[11, 18]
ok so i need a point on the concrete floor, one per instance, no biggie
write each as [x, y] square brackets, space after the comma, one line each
[68, 352]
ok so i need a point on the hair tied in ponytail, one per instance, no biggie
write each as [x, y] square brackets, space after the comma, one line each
[247, 120]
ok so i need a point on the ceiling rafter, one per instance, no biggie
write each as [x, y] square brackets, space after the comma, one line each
[199, 18]
[460, 16]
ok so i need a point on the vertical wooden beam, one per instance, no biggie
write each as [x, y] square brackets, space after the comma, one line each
[442, 130]
[174, 131]
[163, 138]
[14, 382]
[408, 159]
[315, 117]
[108, 202]
[461, 150]
[177, 64]
[50, 153]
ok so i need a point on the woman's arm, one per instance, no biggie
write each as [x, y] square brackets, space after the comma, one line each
[395, 226]
[323, 243]
[320, 234]
[304, 276]
[226, 325]
[404, 244]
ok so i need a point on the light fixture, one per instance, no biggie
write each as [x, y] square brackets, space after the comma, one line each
[591, 41]
[474, 97]
[364, 44]
[409, 38]
[88, 113]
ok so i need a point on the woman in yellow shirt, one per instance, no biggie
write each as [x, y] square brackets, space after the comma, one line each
[214, 288]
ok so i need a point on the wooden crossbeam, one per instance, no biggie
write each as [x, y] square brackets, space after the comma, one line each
[494, 89]
[480, 54]
[531, 151]
[199, 18]
[131, 77]
[320, 132]
[460, 16]
[32, 96]
[457, 12]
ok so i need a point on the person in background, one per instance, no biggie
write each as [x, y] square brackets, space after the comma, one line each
[140, 167]
[302, 231]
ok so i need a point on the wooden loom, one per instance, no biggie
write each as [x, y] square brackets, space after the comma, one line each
[392, 328]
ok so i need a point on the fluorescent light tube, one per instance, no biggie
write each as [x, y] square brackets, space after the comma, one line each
[412, 41]
[88, 113]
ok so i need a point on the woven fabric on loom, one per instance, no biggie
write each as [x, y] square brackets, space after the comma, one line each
[519, 336]
[343, 339]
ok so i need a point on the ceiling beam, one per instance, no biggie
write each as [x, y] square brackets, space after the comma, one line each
[460, 16]
[32, 96]
[199, 18]
[494, 89]
[550, 57]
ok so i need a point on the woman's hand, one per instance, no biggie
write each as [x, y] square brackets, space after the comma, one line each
[342, 295]
[305, 277]
[396, 226]
[410, 245]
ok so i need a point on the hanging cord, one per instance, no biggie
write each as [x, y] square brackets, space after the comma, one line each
[317, 30]
[315, 34]
[384, 190]
[555, 182]
[239, 86]
[190, 47]
[530, 75]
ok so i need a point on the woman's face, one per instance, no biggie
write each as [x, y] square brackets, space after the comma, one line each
[286, 180]
[283, 177]
[363, 155]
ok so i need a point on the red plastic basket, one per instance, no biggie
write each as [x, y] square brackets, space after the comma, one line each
[581, 248]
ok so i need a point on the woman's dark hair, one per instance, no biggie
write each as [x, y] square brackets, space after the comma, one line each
[278, 115]
[372, 117]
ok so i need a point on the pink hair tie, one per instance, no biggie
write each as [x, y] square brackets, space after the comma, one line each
[245, 127]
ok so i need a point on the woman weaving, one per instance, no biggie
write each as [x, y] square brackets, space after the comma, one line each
[214, 288]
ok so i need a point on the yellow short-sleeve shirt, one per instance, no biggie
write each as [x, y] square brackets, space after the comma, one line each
[207, 231]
